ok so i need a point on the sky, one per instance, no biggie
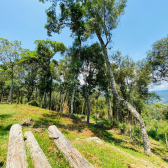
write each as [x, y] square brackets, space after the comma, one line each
[144, 22]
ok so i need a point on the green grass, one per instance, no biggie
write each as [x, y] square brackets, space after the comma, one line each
[116, 151]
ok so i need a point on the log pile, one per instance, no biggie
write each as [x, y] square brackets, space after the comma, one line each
[16, 157]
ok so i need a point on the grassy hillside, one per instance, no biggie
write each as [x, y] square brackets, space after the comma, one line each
[110, 148]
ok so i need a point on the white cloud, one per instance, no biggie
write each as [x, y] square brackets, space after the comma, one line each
[163, 86]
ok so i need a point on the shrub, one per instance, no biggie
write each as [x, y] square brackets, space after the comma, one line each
[33, 103]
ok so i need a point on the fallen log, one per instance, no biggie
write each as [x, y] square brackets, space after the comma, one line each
[75, 158]
[16, 157]
[39, 159]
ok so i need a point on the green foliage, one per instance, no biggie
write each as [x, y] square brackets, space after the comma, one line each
[158, 59]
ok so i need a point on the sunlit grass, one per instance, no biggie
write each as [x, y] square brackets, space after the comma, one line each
[116, 151]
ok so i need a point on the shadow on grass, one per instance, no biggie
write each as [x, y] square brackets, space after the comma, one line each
[54, 119]
[4, 116]
[1, 164]
[4, 130]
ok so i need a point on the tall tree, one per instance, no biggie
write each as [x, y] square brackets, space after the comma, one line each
[29, 62]
[102, 18]
[9, 55]
[46, 49]
[71, 16]
[93, 69]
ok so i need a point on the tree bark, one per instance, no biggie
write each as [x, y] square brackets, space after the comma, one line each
[72, 100]
[114, 109]
[44, 95]
[16, 157]
[133, 111]
[2, 97]
[75, 158]
[50, 100]
[88, 108]
[21, 100]
[97, 108]
[11, 89]
[39, 159]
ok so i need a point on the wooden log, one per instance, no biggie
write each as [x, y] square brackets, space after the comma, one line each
[75, 158]
[166, 139]
[39, 159]
[16, 157]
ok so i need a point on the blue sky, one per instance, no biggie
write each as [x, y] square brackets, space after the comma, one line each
[144, 22]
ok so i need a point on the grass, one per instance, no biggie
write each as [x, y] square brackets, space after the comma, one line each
[114, 150]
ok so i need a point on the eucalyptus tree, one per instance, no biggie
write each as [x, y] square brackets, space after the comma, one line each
[9, 55]
[93, 69]
[29, 62]
[158, 59]
[74, 54]
[103, 17]
[46, 49]
[71, 16]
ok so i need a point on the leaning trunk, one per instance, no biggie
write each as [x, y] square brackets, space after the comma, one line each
[133, 111]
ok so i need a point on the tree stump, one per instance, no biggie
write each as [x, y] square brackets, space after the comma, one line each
[75, 158]
[39, 159]
[16, 157]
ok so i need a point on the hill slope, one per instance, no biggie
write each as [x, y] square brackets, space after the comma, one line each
[102, 148]
[163, 95]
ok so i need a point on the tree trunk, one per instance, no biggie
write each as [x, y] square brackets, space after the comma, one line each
[36, 94]
[114, 109]
[10, 93]
[75, 158]
[133, 111]
[18, 99]
[21, 99]
[44, 95]
[83, 107]
[50, 100]
[39, 159]
[97, 108]
[11, 89]
[108, 109]
[2, 97]
[16, 157]
[88, 109]
[72, 100]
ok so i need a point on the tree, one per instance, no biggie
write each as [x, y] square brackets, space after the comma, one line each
[71, 16]
[93, 66]
[29, 62]
[9, 55]
[102, 18]
[46, 49]
[158, 59]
